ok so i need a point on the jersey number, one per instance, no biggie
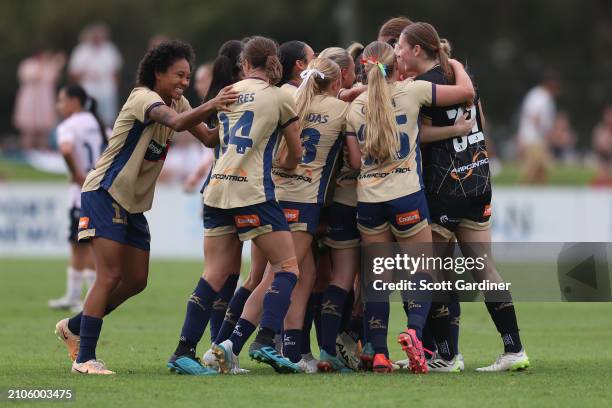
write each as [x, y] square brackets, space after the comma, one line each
[238, 135]
[310, 139]
[461, 143]
[404, 139]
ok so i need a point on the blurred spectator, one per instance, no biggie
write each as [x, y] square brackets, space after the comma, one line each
[95, 64]
[602, 145]
[34, 114]
[203, 79]
[156, 40]
[562, 139]
[536, 122]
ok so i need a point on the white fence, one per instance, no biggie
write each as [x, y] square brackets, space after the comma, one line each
[34, 218]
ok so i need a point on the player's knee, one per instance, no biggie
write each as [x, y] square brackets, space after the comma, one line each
[108, 280]
[288, 265]
[139, 284]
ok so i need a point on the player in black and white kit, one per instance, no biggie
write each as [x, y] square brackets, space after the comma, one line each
[458, 186]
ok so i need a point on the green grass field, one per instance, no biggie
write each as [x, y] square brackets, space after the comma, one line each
[568, 345]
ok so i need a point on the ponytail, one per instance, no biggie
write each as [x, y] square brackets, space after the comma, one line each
[319, 75]
[89, 104]
[444, 54]
[274, 69]
[93, 109]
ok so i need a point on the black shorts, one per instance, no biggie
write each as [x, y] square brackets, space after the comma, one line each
[451, 212]
[73, 224]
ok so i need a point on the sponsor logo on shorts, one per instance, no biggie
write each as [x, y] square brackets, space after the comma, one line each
[408, 218]
[83, 222]
[245, 221]
[487, 211]
[291, 215]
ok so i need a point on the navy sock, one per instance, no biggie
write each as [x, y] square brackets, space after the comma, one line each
[240, 335]
[376, 314]
[439, 324]
[418, 309]
[266, 337]
[355, 328]
[291, 345]
[232, 314]
[332, 309]
[89, 333]
[220, 305]
[276, 300]
[74, 323]
[504, 317]
[307, 326]
[454, 309]
[428, 340]
[317, 297]
[199, 307]
[347, 313]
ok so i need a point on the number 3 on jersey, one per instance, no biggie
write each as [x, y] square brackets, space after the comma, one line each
[238, 135]
[461, 143]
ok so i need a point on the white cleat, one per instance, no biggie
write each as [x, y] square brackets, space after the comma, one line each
[209, 360]
[508, 362]
[92, 367]
[65, 303]
[348, 351]
[439, 365]
[308, 363]
[459, 358]
[403, 364]
[226, 360]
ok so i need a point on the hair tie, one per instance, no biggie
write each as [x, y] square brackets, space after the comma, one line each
[87, 105]
[380, 65]
[307, 73]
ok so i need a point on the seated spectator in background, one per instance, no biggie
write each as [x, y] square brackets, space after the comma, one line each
[536, 122]
[602, 146]
[95, 64]
[34, 116]
[562, 139]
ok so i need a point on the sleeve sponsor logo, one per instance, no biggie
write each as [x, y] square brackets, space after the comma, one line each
[83, 222]
[291, 215]
[156, 152]
[246, 221]
[408, 218]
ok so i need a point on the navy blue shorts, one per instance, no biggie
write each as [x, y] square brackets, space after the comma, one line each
[301, 216]
[102, 216]
[248, 222]
[342, 229]
[405, 216]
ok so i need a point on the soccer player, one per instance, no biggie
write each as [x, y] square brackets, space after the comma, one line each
[391, 203]
[458, 185]
[81, 138]
[117, 192]
[294, 57]
[240, 204]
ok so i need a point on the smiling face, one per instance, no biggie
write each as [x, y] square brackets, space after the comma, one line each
[172, 83]
[407, 55]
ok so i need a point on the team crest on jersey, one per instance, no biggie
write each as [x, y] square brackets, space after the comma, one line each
[487, 211]
[408, 218]
[246, 221]
[156, 151]
[83, 222]
[291, 215]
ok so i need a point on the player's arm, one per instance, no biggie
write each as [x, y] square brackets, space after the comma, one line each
[349, 95]
[291, 154]
[352, 148]
[208, 137]
[189, 119]
[431, 134]
[461, 92]
[66, 148]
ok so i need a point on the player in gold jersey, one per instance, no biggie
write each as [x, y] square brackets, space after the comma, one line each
[120, 189]
[294, 57]
[240, 204]
[391, 204]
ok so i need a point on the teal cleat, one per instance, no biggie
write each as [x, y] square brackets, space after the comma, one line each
[332, 364]
[189, 366]
[269, 355]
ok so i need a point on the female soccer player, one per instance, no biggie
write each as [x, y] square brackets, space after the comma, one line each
[391, 204]
[117, 192]
[81, 138]
[294, 57]
[458, 185]
[240, 204]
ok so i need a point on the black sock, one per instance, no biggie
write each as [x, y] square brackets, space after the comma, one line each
[439, 324]
[307, 326]
[265, 336]
[504, 318]
[347, 313]
[220, 305]
[316, 316]
[355, 328]
[454, 309]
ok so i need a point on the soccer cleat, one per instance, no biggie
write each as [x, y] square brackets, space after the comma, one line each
[347, 350]
[188, 365]
[269, 355]
[225, 358]
[439, 365]
[508, 362]
[209, 360]
[308, 363]
[71, 340]
[332, 364]
[93, 367]
[381, 364]
[414, 350]
[459, 357]
[65, 303]
[367, 357]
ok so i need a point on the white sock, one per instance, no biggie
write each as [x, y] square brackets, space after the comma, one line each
[90, 277]
[74, 283]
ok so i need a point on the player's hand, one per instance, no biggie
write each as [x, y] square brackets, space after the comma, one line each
[464, 125]
[224, 98]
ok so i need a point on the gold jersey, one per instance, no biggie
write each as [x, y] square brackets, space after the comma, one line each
[321, 145]
[249, 132]
[137, 148]
[402, 175]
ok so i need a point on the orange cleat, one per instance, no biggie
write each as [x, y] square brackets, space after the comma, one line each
[70, 340]
[414, 350]
[382, 364]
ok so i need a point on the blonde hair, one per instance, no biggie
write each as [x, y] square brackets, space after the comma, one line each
[339, 55]
[319, 75]
[381, 141]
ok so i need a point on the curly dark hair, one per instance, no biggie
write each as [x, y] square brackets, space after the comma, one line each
[160, 58]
